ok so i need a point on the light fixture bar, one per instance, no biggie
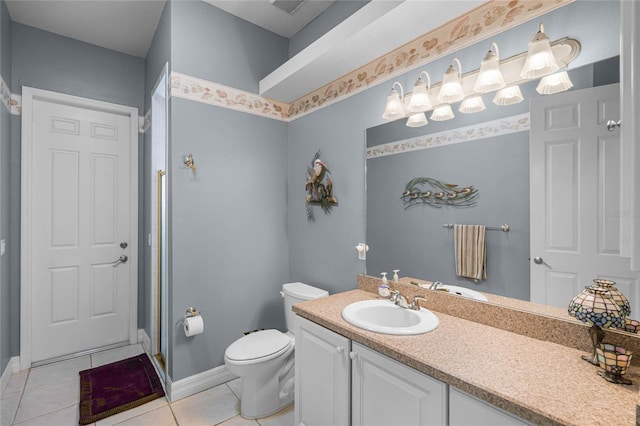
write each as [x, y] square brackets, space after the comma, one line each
[565, 50]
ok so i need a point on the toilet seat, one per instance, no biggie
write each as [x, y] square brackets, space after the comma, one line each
[258, 347]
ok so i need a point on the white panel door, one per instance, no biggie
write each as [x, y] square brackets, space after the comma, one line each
[80, 226]
[575, 196]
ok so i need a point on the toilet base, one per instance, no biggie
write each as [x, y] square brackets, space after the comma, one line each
[260, 399]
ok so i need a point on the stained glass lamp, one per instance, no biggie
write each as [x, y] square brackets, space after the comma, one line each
[595, 306]
[614, 293]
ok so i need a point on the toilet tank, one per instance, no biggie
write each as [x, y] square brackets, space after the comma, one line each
[294, 293]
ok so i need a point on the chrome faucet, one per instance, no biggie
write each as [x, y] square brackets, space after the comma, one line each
[399, 299]
[434, 285]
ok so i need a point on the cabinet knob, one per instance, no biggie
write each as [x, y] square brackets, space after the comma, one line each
[339, 350]
[353, 355]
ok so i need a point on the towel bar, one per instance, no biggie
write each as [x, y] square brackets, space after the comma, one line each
[504, 228]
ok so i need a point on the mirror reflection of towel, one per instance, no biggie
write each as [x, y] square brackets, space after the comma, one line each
[470, 251]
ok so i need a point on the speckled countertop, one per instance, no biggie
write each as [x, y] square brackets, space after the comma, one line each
[539, 381]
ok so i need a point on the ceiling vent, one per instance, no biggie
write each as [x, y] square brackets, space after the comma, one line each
[289, 6]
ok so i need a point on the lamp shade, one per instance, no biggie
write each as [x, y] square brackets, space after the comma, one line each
[394, 107]
[540, 60]
[489, 77]
[451, 89]
[615, 294]
[594, 306]
[420, 100]
[508, 96]
[442, 113]
[554, 83]
[417, 120]
[475, 104]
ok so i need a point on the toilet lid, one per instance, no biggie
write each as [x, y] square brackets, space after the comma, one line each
[256, 345]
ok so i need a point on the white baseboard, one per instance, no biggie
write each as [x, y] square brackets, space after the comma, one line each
[192, 384]
[198, 382]
[13, 366]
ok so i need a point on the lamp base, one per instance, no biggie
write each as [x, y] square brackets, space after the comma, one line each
[614, 378]
[592, 359]
[596, 334]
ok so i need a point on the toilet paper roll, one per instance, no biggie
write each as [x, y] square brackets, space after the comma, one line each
[193, 325]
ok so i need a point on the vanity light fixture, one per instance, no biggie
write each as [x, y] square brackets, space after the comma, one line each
[490, 77]
[417, 120]
[394, 108]
[470, 105]
[508, 96]
[442, 113]
[554, 83]
[420, 101]
[540, 60]
[451, 89]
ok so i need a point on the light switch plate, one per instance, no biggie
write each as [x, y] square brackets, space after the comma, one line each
[3, 246]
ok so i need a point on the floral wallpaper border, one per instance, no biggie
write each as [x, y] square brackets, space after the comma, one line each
[196, 89]
[12, 102]
[488, 129]
[482, 22]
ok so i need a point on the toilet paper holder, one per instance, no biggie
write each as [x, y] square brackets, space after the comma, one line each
[191, 312]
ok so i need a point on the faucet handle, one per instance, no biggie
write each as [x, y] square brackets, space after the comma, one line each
[414, 303]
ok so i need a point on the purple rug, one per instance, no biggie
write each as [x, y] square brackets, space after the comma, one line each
[117, 387]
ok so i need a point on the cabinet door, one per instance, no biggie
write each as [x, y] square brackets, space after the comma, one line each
[467, 410]
[386, 392]
[322, 376]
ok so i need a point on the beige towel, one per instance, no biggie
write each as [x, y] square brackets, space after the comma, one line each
[471, 251]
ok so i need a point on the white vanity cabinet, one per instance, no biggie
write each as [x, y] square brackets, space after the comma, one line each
[467, 410]
[382, 392]
[386, 392]
[323, 376]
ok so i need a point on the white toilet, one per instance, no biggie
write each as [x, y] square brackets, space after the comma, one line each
[264, 359]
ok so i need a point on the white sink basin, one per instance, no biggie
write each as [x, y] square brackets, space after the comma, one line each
[382, 316]
[464, 292]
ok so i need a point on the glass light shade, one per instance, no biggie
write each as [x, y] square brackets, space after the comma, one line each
[451, 88]
[594, 306]
[540, 60]
[508, 96]
[554, 83]
[442, 113]
[394, 108]
[420, 101]
[489, 77]
[417, 120]
[475, 104]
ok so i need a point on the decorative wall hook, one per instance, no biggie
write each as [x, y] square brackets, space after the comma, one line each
[189, 163]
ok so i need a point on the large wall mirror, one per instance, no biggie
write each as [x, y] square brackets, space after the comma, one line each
[488, 150]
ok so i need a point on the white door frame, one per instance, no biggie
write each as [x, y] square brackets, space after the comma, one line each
[28, 96]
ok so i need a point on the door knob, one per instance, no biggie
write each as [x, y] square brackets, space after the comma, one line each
[540, 261]
[121, 259]
[124, 245]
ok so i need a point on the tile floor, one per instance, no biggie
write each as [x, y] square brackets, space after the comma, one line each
[49, 395]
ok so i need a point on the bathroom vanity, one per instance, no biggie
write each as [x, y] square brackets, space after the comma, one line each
[463, 372]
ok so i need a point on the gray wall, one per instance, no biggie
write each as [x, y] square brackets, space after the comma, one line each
[339, 130]
[229, 252]
[6, 286]
[47, 61]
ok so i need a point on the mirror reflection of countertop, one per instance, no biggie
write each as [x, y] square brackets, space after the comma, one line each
[539, 381]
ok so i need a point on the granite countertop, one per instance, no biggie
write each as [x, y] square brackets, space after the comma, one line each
[542, 382]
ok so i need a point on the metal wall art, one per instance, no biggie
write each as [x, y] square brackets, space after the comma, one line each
[435, 193]
[319, 188]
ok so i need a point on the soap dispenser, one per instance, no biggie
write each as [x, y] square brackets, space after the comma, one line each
[383, 290]
[395, 275]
